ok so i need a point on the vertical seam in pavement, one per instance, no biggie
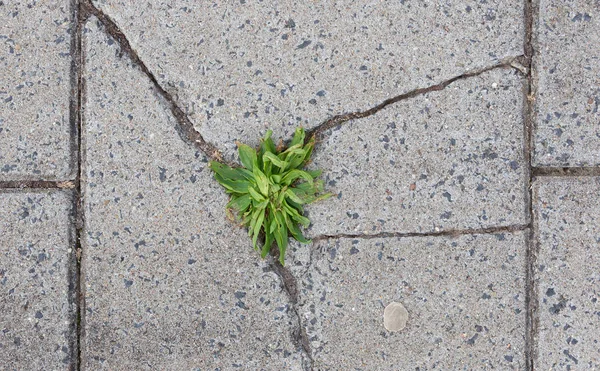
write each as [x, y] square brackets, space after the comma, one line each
[530, 14]
[76, 158]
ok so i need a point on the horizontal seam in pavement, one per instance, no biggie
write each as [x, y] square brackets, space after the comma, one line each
[565, 171]
[446, 233]
[511, 62]
[37, 184]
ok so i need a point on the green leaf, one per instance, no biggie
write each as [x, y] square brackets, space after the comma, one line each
[296, 158]
[227, 172]
[267, 144]
[255, 195]
[294, 214]
[275, 160]
[257, 227]
[261, 181]
[309, 148]
[298, 137]
[315, 173]
[292, 175]
[295, 231]
[247, 156]
[292, 196]
[237, 186]
[267, 246]
[281, 236]
[240, 203]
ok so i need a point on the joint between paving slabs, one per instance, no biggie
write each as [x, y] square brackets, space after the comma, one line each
[564, 171]
[75, 117]
[37, 184]
[531, 11]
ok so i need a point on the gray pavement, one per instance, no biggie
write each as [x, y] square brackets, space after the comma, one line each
[34, 90]
[568, 276]
[38, 303]
[460, 141]
[568, 66]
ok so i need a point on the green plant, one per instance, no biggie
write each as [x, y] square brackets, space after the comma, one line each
[269, 190]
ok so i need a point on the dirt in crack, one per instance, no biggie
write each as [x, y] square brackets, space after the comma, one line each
[290, 286]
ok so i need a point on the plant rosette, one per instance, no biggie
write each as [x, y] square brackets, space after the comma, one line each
[269, 190]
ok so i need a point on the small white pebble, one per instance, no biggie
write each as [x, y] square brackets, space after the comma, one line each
[395, 317]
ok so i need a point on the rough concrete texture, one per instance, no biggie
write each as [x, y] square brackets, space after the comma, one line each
[568, 68]
[34, 90]
[567, 274]
[36, 300]
[240, 68]
[451, 159]
[170, 282]
[465, 298]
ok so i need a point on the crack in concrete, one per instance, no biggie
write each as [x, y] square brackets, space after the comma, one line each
[190, 135]
[448, 233]
[185, 127]
[319, 131]
[188, 132]
[290, 285]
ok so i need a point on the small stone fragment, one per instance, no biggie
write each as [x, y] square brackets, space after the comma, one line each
[395, 317]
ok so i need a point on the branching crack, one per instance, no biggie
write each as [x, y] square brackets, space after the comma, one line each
[448, 232]
[189, 134]
[512, 62]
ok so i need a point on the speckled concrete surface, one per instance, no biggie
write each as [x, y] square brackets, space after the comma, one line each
[170, 282]
[116, 250]
[35, 61]
[451, 159]
[238, 67]
[568, 219]
[465, 298]
[36, 303]
[568, 67]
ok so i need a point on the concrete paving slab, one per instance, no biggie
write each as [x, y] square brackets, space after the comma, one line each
[568, 279]
[568, 69]
[36, 299]
[465, 299]
[240, 68]
[35, 62]
[451, 159]
[170, 283]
